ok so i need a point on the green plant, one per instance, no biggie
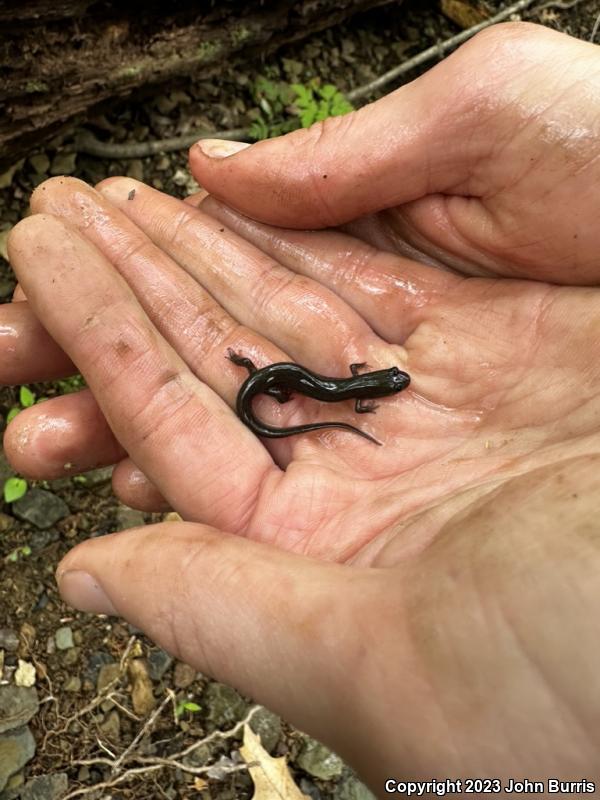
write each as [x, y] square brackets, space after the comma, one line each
[18, 553]
[186, 705]
[14, 489]
[283, 107]
[26, 399]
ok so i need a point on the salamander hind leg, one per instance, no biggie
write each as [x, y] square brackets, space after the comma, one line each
[365, 406]
[241, 361]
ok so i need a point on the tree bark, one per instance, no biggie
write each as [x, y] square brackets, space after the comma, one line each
[61, 58]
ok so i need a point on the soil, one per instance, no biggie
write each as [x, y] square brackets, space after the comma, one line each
[76, 719]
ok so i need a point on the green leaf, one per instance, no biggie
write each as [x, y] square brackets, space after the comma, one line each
[14, 488]
[328, 92]
[189, 706]
[26, 397]
[12, 413]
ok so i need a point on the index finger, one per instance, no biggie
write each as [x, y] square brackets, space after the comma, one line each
[177, 430]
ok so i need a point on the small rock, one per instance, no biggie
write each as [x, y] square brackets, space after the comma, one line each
[97, 660]
[40, 507]
[46, 787]
[308, 788]
[159, 662]
[7, 522]
[25, 674]
[73, 684]
[58, 484]
[136, 169]
[268, 726]
[64, 638]
[183, 675]
[9, 639]
[40, 162]
[128, 518]
[63, 164]
[97, 477]
[111, 726]
[319, 761]
[71, 656]
[352, 789]
[106, 675]
[199, 756]
[16, 748]
[50, 646]
[224, 705]
[142, 696]
[18, 704]
[40, 539]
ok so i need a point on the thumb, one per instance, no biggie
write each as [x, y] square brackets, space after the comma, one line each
[277, 626]
[421, 139]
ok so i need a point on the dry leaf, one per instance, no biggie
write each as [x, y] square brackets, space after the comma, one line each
[464, 13]
[271, 776]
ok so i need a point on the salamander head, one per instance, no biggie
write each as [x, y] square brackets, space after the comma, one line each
[398, 380]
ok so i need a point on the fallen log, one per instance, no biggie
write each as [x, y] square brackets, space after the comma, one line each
[59, 59]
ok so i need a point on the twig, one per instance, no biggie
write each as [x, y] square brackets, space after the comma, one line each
[437, 50]
[143, 730]
[85, 142]
[595, 28]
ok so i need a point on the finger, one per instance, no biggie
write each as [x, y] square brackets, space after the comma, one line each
[135, 489]
[62, 436]
[163, 416]
[423, 138]
[178, 305]
[27, 352]
[253, 288]
[390, 292]
[273, 609]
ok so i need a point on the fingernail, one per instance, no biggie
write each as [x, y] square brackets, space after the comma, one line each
[220, 148]
[80, 590]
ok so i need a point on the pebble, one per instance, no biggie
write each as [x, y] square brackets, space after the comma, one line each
[319, 761]
[268, 726]
[142, 694]
[25, 674]
[98, 477]
[18, 704]
[63, 638]
[40, 162]
[224, 706]
[183, 675]
[40, 507]
[129, 518]
[111, 726]
[71, 656]
[9, 639]
[73, 684]
[106, 675]
[97, 660]
[136, 169]
[7, 522]
[45, 787]
[17, 747]
[63, 164]
[352, 789]
[159, 661]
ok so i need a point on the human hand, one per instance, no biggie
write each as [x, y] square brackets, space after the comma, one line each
[422, 655]
[487, 163]
[445, 643]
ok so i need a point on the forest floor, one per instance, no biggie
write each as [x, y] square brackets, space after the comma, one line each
[97, 680]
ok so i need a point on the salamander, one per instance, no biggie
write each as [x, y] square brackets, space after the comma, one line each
[282, 379]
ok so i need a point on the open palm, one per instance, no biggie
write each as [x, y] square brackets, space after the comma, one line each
[500, 375]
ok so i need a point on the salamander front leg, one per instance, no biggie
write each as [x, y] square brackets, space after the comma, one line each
[241, 361]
